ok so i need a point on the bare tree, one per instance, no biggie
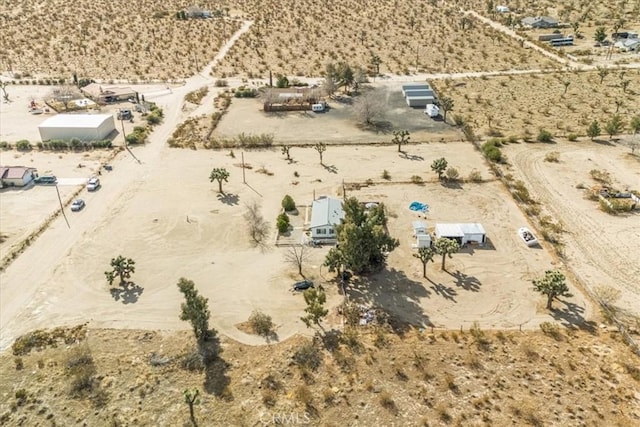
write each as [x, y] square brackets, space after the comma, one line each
[329, 86]
[297, 255]
[258, 227]
[368, 107]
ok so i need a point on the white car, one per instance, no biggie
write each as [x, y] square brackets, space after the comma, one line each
[93, 184]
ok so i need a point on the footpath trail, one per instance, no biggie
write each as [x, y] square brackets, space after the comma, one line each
[21, 280]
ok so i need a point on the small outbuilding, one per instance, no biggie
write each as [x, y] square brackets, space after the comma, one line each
[326, 213]
[419, 227]
[414, 86]
[462, 233]
[85, 127]
[420, 101]
[16, 176]
[422, 241]
[502, 9]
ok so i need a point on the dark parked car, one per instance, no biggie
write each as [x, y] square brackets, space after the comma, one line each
[302, 285]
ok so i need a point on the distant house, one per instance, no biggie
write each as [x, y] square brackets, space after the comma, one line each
[628, 45]
[16, 176]
[540, 22]
[502, 9]
[326, 213]
[106, 94]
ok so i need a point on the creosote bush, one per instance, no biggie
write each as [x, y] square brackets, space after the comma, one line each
[261, 323]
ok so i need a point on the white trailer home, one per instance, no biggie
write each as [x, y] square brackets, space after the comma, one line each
[462, 233]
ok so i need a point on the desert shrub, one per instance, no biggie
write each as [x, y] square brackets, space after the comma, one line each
[552, 330]
[458, 120]
[245, 92]
[572, 137]
[270, 382]
[475, 176]
[23, 145]
[492, 152]
[304, 395]
[328, 396]
[153, 118]
[468, 132]
[261, 323]
[76, 144]
[195, 96]
[192, 362]
[521, 193]
[283, 223]
[386, 175]
[479, 337]
[19, 363]
[544, 136]
[600, 175]
[4, 145]
[351, 339]
[552, 156]
[417, 179]
[452, 174]
[269, 398]
[80, 366]
[138, 136]
[344, 361]
[387, 402]
[288, 204]
[308, 356]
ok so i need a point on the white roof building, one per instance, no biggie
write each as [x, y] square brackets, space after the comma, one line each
[462, 233]
[86, 127]
[326, 213]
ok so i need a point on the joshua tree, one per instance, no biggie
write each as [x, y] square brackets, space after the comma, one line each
[334, 260]
[122, 268]
[425, 255]
[320, 148]
[619, 103]
[635, 125]
[446, 104]
[315, 299]
[191, 398]
[400, 137]
[439, 166]
[624, 84]
[3, 87]
[600, 34]
[593, 131]
[446, 247]
[195, 310]
[375, 62]
[576, 26]
[602, 73]
[553, 285]
[566, 84]
[219, 174]
[285, 151]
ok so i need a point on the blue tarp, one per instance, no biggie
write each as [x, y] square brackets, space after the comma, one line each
[419, 207]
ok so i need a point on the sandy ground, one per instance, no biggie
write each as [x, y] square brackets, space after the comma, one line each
[171, 221]
[602, 249]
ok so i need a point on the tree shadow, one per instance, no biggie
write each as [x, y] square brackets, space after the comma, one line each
[451, 184]
[216, 380]
[330, 168]
[377, 126]
[406, 156]
[392, 291]
[228, 198]
[128, 292]
[603, 142]
[572, 317]
[466, 282]
[444, 291]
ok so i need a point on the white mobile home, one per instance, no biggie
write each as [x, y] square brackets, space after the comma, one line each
[326, 213]
[85, 127]
[462, 233]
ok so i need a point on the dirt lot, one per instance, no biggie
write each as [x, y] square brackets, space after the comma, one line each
[601, 249]
[439, 379]
[505, 105]
[338, 124]
[172, 222]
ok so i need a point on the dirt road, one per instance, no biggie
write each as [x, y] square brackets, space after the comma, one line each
[22, 279]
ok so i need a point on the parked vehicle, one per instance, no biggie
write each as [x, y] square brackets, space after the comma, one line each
[302, 285]
[93, 184]
[46, 179]
[527, 236]
[77, 205]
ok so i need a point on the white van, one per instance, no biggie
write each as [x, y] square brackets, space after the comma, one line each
[93, 184]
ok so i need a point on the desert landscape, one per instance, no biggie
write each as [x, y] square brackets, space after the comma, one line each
[467, 338]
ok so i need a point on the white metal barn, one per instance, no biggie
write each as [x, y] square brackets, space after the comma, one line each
[86, 127]
[462, 233]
